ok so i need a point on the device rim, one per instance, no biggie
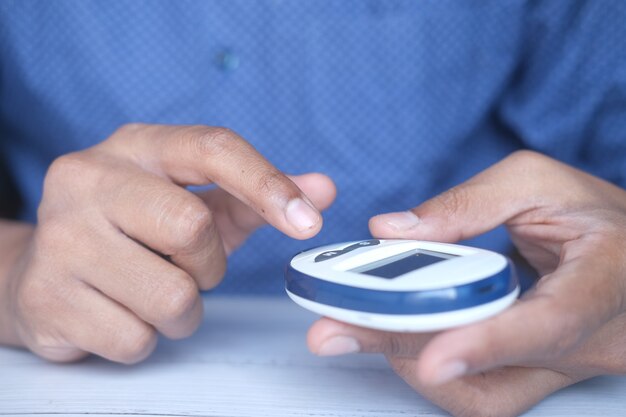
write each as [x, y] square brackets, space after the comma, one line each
[382, 301]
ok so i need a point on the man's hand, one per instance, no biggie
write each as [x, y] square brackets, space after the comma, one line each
[571, 227]
[122, 249]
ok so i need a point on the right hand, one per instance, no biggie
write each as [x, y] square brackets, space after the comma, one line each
[122, 249]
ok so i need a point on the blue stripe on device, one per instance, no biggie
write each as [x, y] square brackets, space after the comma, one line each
[402, 302]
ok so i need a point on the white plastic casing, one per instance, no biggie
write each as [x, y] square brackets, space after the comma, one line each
[464, 266]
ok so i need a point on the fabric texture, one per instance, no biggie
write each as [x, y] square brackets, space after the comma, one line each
[396, 100]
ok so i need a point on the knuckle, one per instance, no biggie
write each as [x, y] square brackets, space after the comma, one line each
[118, 142]
[406, 369]
[180, 298]
[129, 129]
[70, 182]
[273, 180]
[219, 133]
[212, 141]
[67, 166]
[182, 220]
[64, 170]
[135, 345]
[393, 346]
[526, 159]
[193, 221]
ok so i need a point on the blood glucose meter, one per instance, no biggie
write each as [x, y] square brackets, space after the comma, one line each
[402, 285]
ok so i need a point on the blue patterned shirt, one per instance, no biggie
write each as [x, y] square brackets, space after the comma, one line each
[396, 100]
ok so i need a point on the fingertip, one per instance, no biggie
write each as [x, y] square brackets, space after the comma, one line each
[326, 338]
[320, 331]
[303, 217]
[318, 187]
[442, 359]
[329, 188]
[402, 224]
[377, 227]
[302, 212]
[380, 229]
[462, 351]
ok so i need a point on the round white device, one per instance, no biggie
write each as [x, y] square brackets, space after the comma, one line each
[402, 285]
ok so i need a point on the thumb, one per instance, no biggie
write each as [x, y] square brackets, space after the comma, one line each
[545, 325]
[491, 198]
[236, 220]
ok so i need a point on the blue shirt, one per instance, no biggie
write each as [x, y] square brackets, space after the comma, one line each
[396, 100]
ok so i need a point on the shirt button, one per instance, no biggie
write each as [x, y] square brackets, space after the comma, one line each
[227, 60]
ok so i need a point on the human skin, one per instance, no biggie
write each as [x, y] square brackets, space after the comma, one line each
[121, 248]
[571, 326]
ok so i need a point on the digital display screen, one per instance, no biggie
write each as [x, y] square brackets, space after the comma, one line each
[403, 263]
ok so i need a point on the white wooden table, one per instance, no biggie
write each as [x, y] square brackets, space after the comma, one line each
[248, 359]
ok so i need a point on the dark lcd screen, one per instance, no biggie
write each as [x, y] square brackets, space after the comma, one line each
[400, 264]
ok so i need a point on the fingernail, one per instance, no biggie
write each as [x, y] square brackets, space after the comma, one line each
[449, 371]
[339, 345]
[402, 221]
[301, 215]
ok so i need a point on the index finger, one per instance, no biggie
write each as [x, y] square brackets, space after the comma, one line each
[197, 155]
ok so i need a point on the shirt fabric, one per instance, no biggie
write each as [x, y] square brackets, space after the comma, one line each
[396, 100]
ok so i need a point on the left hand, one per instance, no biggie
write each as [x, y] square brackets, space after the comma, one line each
[571, 227]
